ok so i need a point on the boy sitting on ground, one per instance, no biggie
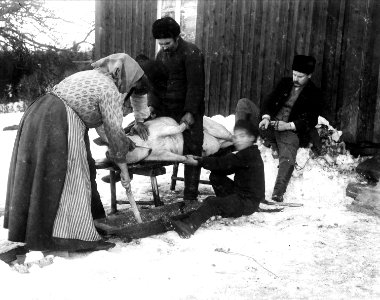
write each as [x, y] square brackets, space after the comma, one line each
[234, 198]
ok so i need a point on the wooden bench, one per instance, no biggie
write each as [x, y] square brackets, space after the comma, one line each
[147, 168]
[151, 169]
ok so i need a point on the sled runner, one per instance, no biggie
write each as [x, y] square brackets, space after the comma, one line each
[287, 204]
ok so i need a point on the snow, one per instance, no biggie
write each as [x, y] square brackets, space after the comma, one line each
[323, 250]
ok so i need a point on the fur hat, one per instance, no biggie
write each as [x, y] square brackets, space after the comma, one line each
[247, 125]
[165, 28]
[304, 64]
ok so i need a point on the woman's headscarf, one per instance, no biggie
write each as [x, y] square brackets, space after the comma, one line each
[123, 69]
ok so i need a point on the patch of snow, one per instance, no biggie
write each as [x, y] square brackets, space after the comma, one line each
[322, 250]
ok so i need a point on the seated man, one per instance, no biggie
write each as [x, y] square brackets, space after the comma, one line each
[290, 114]
[234, 198]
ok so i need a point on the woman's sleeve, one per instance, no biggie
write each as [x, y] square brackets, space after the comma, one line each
[111, 108]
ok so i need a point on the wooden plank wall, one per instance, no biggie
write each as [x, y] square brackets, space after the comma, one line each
[358, 80]
[125, 26]
[249, 45]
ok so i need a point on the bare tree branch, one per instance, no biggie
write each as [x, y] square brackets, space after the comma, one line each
[85, 39]
[21, 14]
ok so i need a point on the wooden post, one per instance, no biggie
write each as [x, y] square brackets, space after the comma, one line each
[155, 191]
[174, 177]
[113, 192]
[376, 131]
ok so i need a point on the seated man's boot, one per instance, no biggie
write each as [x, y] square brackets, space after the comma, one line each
[191, 174]
[284, 174]
[315, 139]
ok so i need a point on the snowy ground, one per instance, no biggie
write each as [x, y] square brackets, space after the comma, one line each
[323, 250]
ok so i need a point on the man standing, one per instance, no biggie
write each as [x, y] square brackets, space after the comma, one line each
[290, 114]
[184, 96]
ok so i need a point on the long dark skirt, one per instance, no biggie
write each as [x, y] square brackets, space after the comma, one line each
[37, 173]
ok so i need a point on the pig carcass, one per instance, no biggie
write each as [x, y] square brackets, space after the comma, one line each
[165, 142]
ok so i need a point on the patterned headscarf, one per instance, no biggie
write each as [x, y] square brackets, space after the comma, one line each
[123, 69]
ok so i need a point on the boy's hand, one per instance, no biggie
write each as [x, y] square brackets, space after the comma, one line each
[192, 160]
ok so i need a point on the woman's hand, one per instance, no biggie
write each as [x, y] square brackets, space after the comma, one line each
[125, 181]
[124, 176]
[141, 130]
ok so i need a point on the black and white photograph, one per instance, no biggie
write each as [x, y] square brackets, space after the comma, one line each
[190, 149]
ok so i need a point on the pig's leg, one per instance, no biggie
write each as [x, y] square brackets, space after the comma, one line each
[165, 155]
[172, 130]
[139, 153]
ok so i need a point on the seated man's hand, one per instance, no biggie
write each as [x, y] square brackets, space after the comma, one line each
[141, 130]
[192, 160]
[281, 125]
[188, 118]
[264, 123]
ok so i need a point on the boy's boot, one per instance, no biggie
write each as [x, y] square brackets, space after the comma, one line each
[284, 174]
[186, 227]
[191, 174]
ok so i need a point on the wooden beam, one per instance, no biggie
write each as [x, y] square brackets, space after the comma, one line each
[376, 130]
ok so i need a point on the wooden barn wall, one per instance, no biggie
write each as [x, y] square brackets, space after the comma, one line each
[124, 26]
[249, 46]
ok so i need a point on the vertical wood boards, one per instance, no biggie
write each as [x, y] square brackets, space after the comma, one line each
[262, 36]
[375, 90]
[125, 26]
[249, 46]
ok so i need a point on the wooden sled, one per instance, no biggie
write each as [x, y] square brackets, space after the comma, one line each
[155, 220]
[286, 204]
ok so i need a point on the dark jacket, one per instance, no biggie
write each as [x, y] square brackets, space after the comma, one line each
[185, 86]
[248, 167]
[305, 111]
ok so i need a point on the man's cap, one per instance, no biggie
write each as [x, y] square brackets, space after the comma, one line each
[304, 64]
[165, 28]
